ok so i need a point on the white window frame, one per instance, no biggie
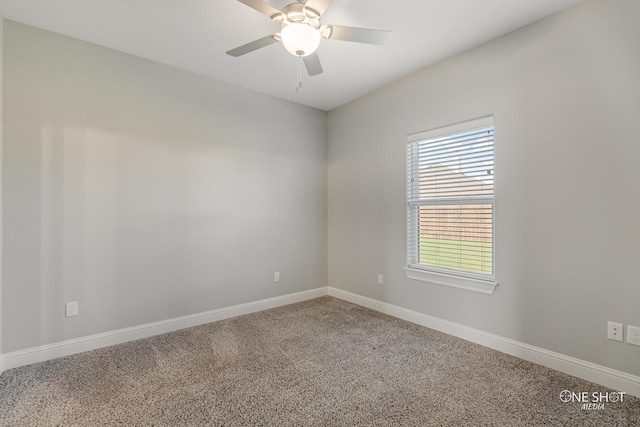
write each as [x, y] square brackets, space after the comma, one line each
[482, 283]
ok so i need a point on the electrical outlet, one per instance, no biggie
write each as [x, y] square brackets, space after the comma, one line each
[633, 335]
[614, 331]
[380, 279]
[71, 309]
[276, 276]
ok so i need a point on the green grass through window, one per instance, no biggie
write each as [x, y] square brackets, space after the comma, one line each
[464, 255]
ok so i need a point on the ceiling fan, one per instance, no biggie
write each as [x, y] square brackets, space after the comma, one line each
[301, 31]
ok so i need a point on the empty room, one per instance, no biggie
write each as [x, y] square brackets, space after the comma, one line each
[320, 213]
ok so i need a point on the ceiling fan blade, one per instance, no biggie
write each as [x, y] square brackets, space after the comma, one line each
[313, 65]
[359, 35]
[262, 7]
[319, 6]
[254, 45]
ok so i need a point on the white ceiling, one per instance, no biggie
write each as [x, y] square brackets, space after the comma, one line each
[195, 34]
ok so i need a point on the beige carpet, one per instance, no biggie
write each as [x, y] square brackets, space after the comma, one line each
[323, 362]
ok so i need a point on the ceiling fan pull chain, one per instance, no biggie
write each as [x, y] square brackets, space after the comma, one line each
[299, 74]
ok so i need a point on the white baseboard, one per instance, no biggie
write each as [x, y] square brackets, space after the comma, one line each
[617, 380]
[612, 378]
[92, 342]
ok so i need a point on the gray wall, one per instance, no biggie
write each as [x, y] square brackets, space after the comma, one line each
[145, 192]
[1, 150]
[565, 93]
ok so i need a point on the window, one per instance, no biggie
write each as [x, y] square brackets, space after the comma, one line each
[450, 226]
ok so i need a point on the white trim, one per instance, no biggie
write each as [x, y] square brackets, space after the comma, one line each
[607, 377]
[92, 342]
[1, 364]
[468, 283]
[612, 378]
[454, 128]
[418, 157]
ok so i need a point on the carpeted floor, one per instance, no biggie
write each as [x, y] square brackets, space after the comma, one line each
[323, 362]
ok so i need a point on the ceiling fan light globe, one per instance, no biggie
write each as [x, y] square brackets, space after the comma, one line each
[300, 39]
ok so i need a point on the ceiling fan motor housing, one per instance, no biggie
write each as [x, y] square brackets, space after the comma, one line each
[298, 13]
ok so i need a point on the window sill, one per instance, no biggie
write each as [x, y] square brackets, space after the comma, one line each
[469, 284]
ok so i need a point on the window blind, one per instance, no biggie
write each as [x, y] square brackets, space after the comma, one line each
[450, 177]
